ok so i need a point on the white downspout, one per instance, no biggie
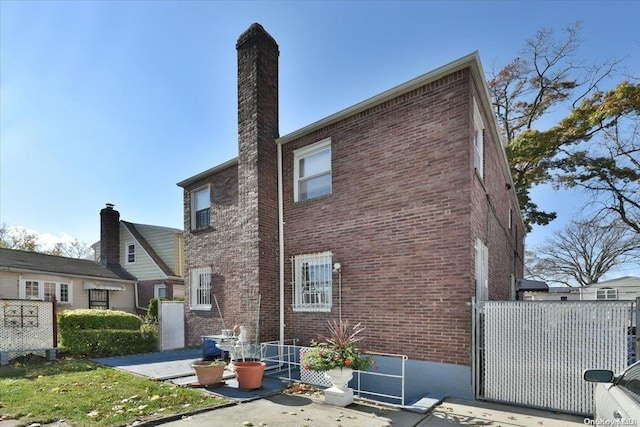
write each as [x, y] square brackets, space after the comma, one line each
[281, 242]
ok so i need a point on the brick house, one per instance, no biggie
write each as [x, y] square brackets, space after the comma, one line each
[394, 212]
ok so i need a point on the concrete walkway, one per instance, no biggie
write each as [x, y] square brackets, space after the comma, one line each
[296, 411]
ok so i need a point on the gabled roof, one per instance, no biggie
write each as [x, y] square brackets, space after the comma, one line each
[625, 281]
[149, 249]
[23, 261]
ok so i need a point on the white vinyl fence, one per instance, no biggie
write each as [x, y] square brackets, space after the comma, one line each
[533, 353]
[170, 325]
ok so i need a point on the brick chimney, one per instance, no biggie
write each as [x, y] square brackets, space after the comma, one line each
[257, 170]
[109, 236]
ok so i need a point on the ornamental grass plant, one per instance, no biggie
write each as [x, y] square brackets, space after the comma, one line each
[338, 350]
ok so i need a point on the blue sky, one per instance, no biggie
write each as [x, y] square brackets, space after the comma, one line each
[117, 101]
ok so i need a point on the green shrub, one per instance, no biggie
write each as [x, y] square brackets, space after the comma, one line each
[152, 314]
[98, 319]
[97, 333]
[110, 342]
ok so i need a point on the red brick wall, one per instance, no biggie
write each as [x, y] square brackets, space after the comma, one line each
[402, 219]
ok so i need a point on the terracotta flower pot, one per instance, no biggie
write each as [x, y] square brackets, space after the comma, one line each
[209, 373]
[249, 374]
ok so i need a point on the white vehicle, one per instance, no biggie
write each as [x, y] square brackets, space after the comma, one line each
[617, 398]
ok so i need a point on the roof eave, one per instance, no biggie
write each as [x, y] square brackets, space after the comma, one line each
[208, 172]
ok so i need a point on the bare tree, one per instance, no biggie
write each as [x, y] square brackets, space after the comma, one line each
[583, 252]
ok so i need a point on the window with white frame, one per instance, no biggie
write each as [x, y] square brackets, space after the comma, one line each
[200, 208]
[312, 171]
[45, 291]
[312, 282]
[478, 140]
[131, 253]
[482, 271]
[160, 290]
[607, 294]
[200, 288]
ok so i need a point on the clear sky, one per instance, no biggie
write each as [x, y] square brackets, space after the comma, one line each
[117, 101]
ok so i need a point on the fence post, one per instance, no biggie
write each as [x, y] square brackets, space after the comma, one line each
[634, 328]
[54, 310]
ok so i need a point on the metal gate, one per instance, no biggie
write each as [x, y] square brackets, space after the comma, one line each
[533, 353]
[170, 325]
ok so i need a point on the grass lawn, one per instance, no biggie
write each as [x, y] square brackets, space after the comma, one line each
[82, 393]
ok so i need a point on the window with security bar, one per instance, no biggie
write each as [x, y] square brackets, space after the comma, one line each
[312, 282]
[200, 288]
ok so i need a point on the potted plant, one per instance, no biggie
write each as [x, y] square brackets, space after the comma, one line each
[338, 356]
[209, 373]
[249, 374]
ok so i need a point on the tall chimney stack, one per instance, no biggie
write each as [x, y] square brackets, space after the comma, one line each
[257, 172]
[109, 236]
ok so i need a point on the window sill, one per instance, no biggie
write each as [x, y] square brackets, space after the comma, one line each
[307, 201]
[308, 309]
[200, 308]
[201, 230]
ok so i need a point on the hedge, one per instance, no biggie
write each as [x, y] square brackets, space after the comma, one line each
[97, 333]
[98, 319]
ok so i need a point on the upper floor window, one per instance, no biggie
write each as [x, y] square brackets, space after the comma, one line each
[131, 253]
[312, 171]
[200, 208]
[478, 140]
[607, 293]
[312, 282]
[200, 288]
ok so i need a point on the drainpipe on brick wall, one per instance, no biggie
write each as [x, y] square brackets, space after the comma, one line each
[281, 242]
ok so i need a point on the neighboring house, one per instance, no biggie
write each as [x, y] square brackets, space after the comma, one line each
[526, 287]
[395, 212]
[622, 288]
[153, 255]
[76, 283]
[554, 293]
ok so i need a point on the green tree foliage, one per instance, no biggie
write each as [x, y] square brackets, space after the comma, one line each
[545, 77]
[21, 239]
[18, 238]
[604, 159]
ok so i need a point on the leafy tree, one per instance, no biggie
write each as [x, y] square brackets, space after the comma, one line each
[18, 238]
[583, 252]
[546, 75]
[21, 239]
[608, 166]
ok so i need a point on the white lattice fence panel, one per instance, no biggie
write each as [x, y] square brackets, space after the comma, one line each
[26, 324]
[535, 352]
[311, 377]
